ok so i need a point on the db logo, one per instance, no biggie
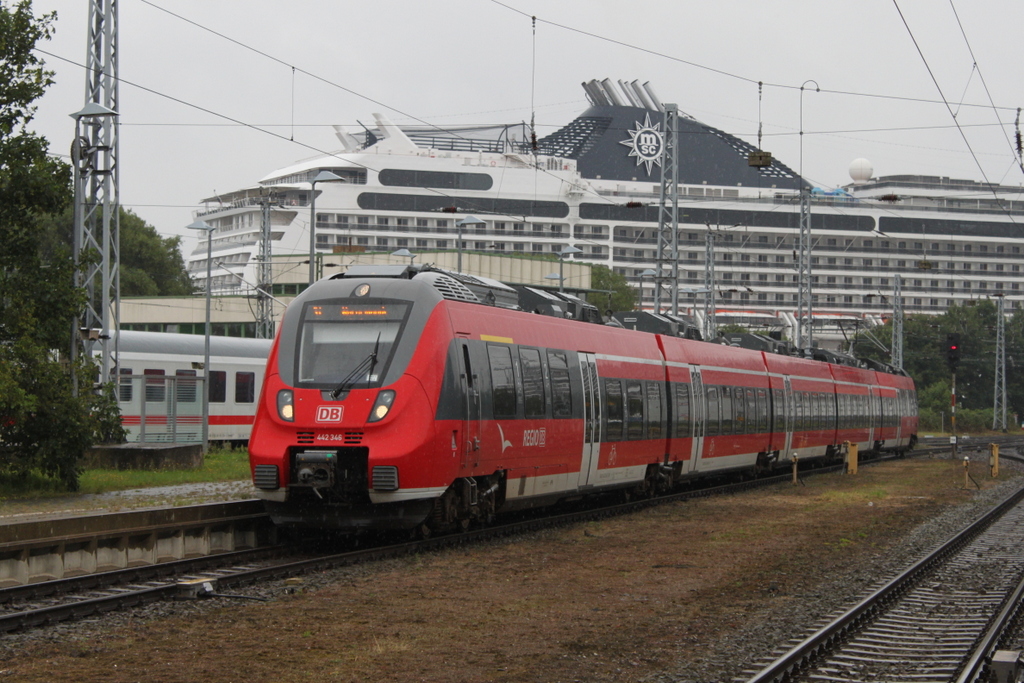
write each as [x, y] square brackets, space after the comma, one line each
[328, 413]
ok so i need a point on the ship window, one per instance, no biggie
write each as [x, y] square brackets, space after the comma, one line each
[440, 179]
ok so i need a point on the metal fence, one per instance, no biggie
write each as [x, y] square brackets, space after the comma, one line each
[161, 408]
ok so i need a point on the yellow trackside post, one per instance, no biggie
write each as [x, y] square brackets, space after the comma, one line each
[851, 458]
[993, 459]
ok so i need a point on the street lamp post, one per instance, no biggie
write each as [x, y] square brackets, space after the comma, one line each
[322, 176]
[468, 220]
[804, 318]
[203, 225]
[568, 251]
[405, 253]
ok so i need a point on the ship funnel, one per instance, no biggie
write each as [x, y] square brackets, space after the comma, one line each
[397, 141]
[626, 93]
[348, 143]
[654, 98]
[609, 91]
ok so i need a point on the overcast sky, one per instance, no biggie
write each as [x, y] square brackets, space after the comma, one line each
[192, 78]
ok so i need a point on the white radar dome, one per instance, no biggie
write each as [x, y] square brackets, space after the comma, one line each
[860, 171]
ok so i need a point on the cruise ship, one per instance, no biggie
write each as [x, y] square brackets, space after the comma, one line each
[595, 185]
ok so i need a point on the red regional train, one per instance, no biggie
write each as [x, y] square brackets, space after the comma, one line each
[408, 397]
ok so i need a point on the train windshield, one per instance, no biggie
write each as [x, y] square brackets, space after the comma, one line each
[348, 342]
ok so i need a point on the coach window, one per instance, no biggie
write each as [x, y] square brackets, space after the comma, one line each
[154, 385]
[613, 410]
[561, 392]
[245, 387]
[739, 411]
[712, 423]
[124, 388]
[218, 386]
[798, 411]
[655, 429]
[503, 383]
[682, 406]
[186, 385]
[534, 400]
[634, 411]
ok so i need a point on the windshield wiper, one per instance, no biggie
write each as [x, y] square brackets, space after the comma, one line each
[367, 365]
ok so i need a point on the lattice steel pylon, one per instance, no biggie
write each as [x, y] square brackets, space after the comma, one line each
[897, 324]
[668, 216]
[804, 316]
[710, 330]
[999, 395]
[94, 156]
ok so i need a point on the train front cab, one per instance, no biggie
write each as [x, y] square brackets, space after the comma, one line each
[345, 426]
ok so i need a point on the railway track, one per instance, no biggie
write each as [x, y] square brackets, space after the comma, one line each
[49, 602]
[940, 620]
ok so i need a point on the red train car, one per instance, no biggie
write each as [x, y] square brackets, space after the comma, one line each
[397, 398]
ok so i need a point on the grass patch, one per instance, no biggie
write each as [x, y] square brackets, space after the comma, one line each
[222, 464]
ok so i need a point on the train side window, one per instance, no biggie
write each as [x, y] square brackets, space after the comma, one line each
[655, 428]
[561, 389]
[186, 385]
[682, 411]
[761, 406]
[725, 410]
[124, 387]
[218, 386]
[751, 412]
[503, 383]
[245, 387]
[798, 411]
[155, 389]
[634, 410]
[739, 411]
[779, 404]
[712, 424]
[613, 410]
[534, 398]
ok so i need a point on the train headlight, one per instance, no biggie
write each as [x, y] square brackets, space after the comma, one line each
[382, 406]
[286, 405]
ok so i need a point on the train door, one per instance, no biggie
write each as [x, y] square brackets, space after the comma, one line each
[591, 420]
[787, 421]
[697, 415]
[471, 391]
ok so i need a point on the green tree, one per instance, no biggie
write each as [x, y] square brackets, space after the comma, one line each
[43, 427]
[623, 295]
[924, 359]
[150, 265]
